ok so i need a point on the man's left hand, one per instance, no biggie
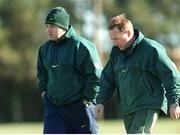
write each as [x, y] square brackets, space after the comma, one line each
[174, 111]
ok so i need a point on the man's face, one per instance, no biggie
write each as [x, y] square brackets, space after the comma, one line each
[119, 39]
[54, 32]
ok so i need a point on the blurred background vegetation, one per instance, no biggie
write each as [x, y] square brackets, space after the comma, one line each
[22, 31]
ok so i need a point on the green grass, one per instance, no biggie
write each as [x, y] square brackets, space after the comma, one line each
[21, 128]
[163, 126]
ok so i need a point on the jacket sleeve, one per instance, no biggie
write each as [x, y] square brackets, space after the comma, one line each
[169, 75]
[41, 73]
[88, 63]
[107, 83]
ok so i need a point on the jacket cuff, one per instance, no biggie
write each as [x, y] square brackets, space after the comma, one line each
[100, 101]
[173, 101]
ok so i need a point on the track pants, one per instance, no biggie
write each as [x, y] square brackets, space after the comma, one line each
[141, 121]
[73, 118]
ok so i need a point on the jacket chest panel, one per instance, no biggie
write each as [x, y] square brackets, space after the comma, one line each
[60, 55]
[126, 68]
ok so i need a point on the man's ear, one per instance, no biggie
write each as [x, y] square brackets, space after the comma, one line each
[129, 33]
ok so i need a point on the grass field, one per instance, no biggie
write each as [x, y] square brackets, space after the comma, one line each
[163, 126]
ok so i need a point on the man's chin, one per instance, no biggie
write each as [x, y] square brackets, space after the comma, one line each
[52, 39]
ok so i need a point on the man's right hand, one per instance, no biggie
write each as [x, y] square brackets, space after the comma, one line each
[99, 111]
[174, 111]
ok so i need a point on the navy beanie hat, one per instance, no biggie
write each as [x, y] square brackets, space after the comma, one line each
[58, 16]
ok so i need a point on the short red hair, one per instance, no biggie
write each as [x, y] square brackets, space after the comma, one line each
[121, 22]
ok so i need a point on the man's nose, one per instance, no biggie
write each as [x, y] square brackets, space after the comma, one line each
[49, 29]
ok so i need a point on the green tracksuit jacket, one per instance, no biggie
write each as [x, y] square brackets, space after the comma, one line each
[69, 69]
[144, 77]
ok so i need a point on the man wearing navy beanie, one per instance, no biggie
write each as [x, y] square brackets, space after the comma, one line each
[68, 71]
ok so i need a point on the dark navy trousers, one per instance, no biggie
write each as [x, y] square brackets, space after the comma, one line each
[75, 118]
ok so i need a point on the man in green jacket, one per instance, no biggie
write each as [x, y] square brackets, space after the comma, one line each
[145, 78]
[68, 70]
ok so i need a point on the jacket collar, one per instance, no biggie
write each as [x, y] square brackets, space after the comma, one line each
[139, 37]
[70, 32]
